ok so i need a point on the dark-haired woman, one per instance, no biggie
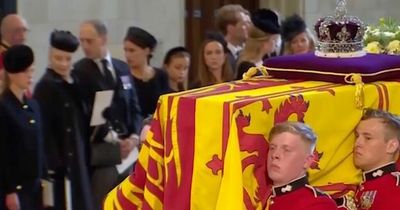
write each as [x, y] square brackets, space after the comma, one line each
[150, 82]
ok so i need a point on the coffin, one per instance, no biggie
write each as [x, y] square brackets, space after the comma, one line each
[207, 147]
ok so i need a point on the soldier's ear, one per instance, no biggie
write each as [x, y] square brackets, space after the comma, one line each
[393, 146]
[308, 162]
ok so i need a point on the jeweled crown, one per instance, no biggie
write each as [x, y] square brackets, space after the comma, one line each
[340, 35]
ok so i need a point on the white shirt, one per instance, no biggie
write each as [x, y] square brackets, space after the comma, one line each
[109, 64]
[234, 49]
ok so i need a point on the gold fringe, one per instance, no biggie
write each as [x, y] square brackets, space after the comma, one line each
[252, 71]
[359, 94]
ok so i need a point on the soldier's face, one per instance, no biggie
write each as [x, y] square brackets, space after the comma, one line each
[60, 61]
[371, 149]
[289, 156]
[92, 43]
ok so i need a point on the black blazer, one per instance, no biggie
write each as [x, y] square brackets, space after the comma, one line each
[22, 142]
[124, 113]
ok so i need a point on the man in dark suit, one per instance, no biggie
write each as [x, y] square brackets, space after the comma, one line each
[112, 142]
[233, 21]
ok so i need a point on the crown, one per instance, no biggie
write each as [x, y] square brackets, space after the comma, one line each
[340, 35]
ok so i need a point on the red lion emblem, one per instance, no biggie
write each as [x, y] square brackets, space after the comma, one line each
[317, 156]
[256, 146]
[293, 105]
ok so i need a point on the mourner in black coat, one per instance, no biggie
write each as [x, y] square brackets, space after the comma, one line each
[98, 71]
[65, 128]
[21, 133]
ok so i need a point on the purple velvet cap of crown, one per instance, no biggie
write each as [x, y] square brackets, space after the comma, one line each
[372, 67]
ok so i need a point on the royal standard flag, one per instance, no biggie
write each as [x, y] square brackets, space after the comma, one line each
[207, 148]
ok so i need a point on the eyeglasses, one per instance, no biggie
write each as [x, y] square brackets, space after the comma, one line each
[19, 30]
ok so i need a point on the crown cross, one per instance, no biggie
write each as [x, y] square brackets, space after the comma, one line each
[341, 10]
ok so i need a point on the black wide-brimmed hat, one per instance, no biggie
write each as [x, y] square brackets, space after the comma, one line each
[292, 26]
[64, 40]
[266, 20]
[18, 58]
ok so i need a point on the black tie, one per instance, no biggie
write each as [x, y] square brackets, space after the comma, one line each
[108, 78]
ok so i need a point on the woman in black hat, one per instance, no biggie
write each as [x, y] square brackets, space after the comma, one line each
[297, 38]
[263, 38]
[150, 82]
[65, 135]
[21, 133]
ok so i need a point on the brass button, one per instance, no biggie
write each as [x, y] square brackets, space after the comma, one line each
[25, 106]
[32, 121]
[19, 187]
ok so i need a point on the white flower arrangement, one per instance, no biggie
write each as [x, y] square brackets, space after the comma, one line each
[383, 38]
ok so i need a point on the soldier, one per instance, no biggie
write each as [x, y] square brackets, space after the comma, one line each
[375, 151]
[290, 155]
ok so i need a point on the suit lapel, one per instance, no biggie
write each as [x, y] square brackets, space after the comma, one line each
[98, 77]
[118, 73]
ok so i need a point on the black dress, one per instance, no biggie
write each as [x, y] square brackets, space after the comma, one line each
[22, 143]
[149, 91]
[66, 139]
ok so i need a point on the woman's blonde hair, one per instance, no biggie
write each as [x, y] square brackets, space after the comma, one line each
[204, 77]
[253, 47]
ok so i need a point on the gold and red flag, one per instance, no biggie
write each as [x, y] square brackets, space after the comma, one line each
[207, 148]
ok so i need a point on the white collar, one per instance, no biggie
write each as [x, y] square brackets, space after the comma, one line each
[234, 49]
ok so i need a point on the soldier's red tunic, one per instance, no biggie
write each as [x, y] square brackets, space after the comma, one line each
[380, 189]
[300, 196]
